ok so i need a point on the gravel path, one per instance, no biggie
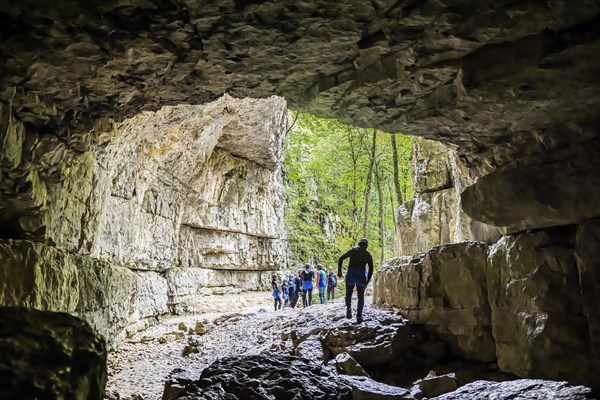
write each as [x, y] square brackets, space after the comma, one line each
[139, 367]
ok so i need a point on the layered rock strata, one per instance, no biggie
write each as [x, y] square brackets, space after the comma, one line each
[434, 216]
[527, 301]
[184, 202]
[445, 289]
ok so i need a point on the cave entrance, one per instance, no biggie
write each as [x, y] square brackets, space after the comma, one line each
[343, 183]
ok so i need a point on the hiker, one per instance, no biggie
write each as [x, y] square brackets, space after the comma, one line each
[356, 276]
[285, 293]
[331, 284]
[321, 282]
[307, 276]
[292, 290]
[298, 284]
[276, 292]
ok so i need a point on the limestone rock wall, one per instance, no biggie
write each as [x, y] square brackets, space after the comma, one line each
[538, 317]
[529, 301]
[168, 205]
[434, 216]
[444, 289]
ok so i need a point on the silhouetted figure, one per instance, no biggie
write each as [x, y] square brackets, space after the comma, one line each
[307, 285]
[357, 276]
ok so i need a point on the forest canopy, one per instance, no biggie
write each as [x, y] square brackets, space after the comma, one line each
[336, 172]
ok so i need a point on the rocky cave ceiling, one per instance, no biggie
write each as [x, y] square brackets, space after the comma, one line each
[497, 79]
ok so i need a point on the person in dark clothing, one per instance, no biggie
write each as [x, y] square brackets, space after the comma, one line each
[307, 285]
[356, 276]
[276, 293]
[331, 284]
[292, 290]
[299, 291]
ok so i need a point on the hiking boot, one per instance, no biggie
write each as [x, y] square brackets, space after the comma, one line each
[359, 319]
[348, 313]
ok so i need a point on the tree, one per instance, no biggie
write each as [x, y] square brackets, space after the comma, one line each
[368, 188]
[378, 175]
[328, 167]
[396, 163]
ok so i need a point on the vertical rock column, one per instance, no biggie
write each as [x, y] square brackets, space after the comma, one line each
[434, 216]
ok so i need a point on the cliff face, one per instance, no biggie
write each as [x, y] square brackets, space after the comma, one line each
[521, 302]
[169, 205]
[435, 216]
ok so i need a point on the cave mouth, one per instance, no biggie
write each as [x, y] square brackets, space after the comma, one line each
[497, 249]
[168, 230]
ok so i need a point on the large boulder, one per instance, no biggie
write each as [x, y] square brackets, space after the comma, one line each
[445, 289]
[588, 265]
[521, 389]
[365, 388]
[267, 376]
[47, 355]
[538, 319]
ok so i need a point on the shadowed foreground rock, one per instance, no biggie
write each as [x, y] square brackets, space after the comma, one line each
[48, 355]
[522, 389]
[266, 377]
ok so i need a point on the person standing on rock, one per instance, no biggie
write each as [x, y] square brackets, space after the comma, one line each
[307, 285]
[331, 284]
[276, 293]
[356, 276]
[321, 282]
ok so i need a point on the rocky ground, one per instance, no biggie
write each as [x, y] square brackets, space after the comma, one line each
[248, 350]
[139, 367]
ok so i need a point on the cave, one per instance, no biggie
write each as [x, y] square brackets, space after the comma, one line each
[141, 157]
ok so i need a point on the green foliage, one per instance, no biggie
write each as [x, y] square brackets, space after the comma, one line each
[326, 163]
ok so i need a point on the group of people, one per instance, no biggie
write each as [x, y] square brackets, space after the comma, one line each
[287, 290]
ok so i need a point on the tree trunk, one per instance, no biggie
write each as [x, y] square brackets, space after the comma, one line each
[381, 220]
[396, 172]
[368, 186]
[354, 155]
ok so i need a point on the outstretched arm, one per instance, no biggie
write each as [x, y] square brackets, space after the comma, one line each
[370, 273]
[341, 260]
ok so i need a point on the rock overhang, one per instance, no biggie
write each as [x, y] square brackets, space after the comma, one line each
[496, 81]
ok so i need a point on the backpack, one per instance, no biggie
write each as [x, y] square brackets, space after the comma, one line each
[332, 281]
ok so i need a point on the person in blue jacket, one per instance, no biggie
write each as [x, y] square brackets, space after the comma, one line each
[321, 282]
[285, 293]
[357, 276]
[307, 285]
[276, 293]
